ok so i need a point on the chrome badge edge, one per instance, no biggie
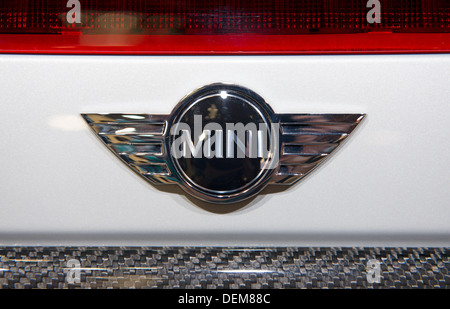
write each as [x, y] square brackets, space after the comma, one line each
[240, 144]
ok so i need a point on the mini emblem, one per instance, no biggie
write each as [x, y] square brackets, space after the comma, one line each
[222, 143]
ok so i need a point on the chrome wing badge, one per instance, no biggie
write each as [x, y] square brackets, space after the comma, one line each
[222, 143]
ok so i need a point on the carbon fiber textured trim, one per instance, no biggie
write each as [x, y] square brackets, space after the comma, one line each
[231, 268]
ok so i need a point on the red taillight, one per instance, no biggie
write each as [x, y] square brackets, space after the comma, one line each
[224, 26]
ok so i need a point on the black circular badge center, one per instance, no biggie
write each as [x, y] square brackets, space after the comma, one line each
[223, 131]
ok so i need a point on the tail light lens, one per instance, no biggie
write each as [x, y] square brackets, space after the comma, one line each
[224, 26]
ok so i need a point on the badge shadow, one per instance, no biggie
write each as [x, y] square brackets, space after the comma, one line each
[221, 208]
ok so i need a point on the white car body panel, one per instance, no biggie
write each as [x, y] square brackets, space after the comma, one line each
[387, 185]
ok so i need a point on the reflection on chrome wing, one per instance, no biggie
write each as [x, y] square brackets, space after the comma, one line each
[307, 139]
[138, 140]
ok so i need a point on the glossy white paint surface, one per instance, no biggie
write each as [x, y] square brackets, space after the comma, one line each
[388, 185]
